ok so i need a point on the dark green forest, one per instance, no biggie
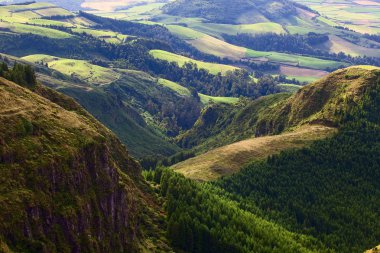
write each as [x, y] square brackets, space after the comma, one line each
[21, 74]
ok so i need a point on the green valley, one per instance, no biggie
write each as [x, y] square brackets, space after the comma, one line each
[203, 126]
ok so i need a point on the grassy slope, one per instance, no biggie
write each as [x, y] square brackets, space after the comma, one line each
[362, 15]
[17, 18]
[205, 99]
[302, 61]
[79, 68]
[217, 30]
[229, 159]
[239, 11]
[213, 68]
[218, 47]
[114, 105]
[42, 31]
[322, 103]
[174, 86]
[109, 36]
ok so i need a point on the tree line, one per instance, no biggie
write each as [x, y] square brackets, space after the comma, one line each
[202, 218]
[21, 74]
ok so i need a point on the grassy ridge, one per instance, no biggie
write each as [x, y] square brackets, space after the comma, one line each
[229, 159]
[76, 68]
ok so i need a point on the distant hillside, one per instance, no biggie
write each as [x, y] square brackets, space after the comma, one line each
[240, 11]
[67, 183]
[72, 5]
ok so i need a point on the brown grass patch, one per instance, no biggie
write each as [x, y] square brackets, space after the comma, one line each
[337, 44]
[296, 71]
[211, 45]
[230, 159]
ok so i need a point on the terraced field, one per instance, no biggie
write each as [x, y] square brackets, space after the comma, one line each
[213, 68]
[230, 159]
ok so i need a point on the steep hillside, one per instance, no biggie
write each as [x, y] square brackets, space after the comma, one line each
[322, 102]
[67, 183]
[228, 12]
[117, 98]
[220, 124]
[325, 102]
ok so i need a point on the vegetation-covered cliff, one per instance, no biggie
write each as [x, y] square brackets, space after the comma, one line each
[67, 183]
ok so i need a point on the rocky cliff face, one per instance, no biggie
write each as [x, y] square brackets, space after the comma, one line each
[67, 184]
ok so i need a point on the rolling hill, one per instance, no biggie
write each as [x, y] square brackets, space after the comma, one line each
[241, 11]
